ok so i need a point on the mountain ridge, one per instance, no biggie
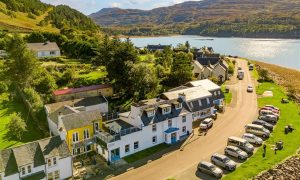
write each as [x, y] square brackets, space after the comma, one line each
[197, 17]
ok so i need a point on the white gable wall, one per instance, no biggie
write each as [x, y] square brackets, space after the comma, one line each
[42, 54]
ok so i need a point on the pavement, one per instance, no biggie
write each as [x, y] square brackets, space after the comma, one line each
[182, 163]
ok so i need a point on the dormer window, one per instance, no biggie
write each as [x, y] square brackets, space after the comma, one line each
[178, 106]
[150, 112]
[200, 103]
[207, 99]
[166, 110]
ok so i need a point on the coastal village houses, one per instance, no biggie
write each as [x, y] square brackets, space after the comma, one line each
[167, 119]
[209, 64]
[43, 159]
[45, 50]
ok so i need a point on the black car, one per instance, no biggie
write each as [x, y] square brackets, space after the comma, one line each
[264, 124]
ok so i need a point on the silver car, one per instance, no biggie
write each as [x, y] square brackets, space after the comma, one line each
[251, 138]
[209, 168]
[223, 161]
[235, 152]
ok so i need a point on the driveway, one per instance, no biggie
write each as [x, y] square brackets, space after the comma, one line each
[183, 164]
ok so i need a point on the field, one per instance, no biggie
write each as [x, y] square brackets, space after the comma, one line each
[284, 76]
[290, 114]
[22, 23]
[7, 107]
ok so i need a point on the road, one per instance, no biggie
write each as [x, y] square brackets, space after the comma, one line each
[183, 164]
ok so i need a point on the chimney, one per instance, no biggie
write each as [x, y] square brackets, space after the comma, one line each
[62, 134]
[182, 96]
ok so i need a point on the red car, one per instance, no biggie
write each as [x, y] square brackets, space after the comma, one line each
[270, 109]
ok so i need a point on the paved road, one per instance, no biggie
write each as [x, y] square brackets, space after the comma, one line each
[182, 164]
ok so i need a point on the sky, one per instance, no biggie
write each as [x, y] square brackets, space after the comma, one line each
[90, 6]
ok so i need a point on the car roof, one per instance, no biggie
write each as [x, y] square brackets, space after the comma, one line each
[237, 138]
[249, 134]
[233, 147]
[208, 119]
[254, 125]
[206, 163]
[220, 155]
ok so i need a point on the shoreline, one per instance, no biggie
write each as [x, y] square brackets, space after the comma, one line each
[242, 37]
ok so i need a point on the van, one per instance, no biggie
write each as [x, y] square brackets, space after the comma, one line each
[240, 143]
[257, 130]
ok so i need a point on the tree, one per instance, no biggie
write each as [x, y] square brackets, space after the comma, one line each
[181, 71]
[144, 81]
[46, 83]
[34, 99]
[21, 63]
[166, 58]
[263, 74]
[187, 45]
[16, 127]
[3, 87]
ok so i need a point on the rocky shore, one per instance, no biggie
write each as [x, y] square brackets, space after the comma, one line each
[288, 170]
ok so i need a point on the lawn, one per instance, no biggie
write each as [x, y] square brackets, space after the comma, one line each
[228, 96]
[94, 75]
[289, 115]
[7, 107]
[144, 153]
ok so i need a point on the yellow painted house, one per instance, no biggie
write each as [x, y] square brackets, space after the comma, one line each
[79, 130]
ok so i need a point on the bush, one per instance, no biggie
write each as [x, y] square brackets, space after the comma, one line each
[16, 127]
[32, 16]
[3, 87]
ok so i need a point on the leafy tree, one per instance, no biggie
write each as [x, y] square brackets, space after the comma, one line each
[16, 127]
[166, 58]
[144, 81]
[263, 74]
[46, 83]
[21, 63]
[34, 99]
[36, 37]
[181, 71]
[3, 87]
[187, 45]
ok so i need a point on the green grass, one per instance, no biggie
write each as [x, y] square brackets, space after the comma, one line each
[289, 115]
[228, 96]
[93, 75]
[7, 107]
[144, 153]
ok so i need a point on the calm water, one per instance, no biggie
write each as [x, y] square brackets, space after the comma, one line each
[283, 52]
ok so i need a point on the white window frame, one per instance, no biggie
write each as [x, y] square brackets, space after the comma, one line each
[76, 135]
[23, 171]
[86, 134]
[154, 128]
[138, 145]
[183, 118]
[200, 103]
[54, 161]
[55, 173]
[207, 99]
[178, 106]
[96, 129]
[50, 174]
[29, 168]
[150, 113]
[155, 139]
[170, 124]
[49, 162]
[184, 129]
[166, 110]
[127, 145]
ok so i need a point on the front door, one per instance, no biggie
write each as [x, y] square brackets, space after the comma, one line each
[115, 154]
[173, 138]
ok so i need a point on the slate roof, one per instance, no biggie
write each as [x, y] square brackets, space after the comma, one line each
[204, 105]
[205, 61]
[46, 46]
[62, 107]
[81, 89]
[159, 117]
[81, 119]
[35, 176]
[157, 47]
[32, 153]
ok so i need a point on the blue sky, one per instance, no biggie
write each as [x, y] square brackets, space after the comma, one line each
[91, 6]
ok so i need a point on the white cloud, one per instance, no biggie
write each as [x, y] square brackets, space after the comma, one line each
[115, 4]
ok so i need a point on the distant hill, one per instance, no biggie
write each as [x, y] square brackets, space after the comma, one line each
[33, 15]
[265, 18]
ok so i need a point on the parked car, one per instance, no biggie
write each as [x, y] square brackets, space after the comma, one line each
[206, 123]
[251, 138]
[270, 109]
[273, 107]
[251, 67]
[268, 112]
[269, 118]
[257, 130]
[240, 143]
[250, 88]
[209, 168]
[235, 152]
[239, 68]
[264, 124]
[223, 161]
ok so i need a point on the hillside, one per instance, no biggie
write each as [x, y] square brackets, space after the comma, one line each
[280, 18]
[33, 15]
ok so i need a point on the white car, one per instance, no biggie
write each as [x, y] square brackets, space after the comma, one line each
[223, 161]
[250, 88]
[251, 138]
[235, 152]
[206, 123]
